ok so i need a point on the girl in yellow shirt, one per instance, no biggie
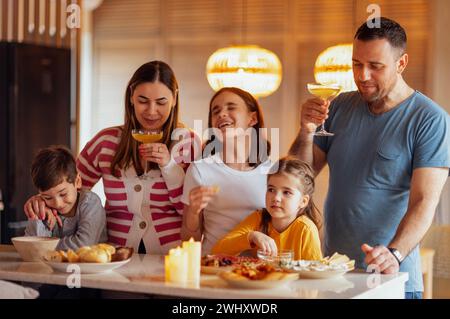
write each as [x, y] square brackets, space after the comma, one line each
[289, 221]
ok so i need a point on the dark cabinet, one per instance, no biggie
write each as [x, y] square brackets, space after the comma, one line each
[35, 111]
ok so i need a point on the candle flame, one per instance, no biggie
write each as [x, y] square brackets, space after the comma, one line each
[175, 251]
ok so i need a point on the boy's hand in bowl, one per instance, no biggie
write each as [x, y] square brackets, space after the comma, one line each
[35, 208]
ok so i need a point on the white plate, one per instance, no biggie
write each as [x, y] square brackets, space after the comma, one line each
[301, 267]
[231, 279]
[87, 268]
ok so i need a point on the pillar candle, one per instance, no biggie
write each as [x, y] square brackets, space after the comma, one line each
[167, 267]
[193, 249]
[176, 266]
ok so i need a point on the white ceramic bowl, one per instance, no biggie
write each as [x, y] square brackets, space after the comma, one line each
[33, 248]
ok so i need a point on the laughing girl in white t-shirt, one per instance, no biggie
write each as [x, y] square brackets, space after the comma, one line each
[229, 183]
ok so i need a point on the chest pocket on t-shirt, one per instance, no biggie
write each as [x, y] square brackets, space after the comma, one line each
[385, 166]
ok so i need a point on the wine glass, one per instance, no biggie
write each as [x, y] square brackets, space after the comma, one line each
[325, 92]
[146, 137]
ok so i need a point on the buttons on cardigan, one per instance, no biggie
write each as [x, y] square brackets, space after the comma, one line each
[137, 188]
[142, 225]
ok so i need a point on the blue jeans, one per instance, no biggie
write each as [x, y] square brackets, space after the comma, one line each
[413, 295]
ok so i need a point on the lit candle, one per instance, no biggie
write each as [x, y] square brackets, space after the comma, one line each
[176, 266]
[193, 249]
[167, 267]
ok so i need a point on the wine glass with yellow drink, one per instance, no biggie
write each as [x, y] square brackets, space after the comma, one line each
[147, 137]
[325, 92]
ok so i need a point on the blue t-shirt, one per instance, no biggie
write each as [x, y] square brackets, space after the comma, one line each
[371, 159]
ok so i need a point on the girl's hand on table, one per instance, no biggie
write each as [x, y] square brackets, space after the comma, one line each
[263, 242]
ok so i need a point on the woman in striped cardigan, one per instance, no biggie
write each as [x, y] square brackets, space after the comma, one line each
[142, 213]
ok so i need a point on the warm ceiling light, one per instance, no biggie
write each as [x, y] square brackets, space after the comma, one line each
[247, 67]
[334, 65]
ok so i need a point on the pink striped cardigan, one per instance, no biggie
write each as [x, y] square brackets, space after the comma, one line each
[137, 209]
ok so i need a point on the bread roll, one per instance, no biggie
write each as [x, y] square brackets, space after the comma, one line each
[107, 253]
[106, 247]
[63, 256]
[72, 257]
[94, 256]
[53, 256]
[122, 253]
[83, 249]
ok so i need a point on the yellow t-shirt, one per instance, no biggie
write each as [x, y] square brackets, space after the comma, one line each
[302, 236]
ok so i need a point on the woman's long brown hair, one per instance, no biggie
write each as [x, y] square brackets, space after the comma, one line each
[252, 106]
[127, 150]
[301, 170]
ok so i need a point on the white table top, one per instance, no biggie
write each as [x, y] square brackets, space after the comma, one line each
[145, 274]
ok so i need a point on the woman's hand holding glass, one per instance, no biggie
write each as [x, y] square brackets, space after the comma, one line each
[263, 242]
[149, 137]
[155, 152]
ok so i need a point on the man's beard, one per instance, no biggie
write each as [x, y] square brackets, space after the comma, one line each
[373, 97]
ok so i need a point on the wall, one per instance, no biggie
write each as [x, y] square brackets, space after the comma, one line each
[439, 75]
[50, 23]
[186, 33]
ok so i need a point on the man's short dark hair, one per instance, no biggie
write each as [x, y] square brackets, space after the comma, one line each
[51, 165]
[389, 30]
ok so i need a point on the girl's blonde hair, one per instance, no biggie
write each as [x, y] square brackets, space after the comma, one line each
[301, 170]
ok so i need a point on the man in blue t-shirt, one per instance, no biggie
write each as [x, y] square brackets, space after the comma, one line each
[388, 158]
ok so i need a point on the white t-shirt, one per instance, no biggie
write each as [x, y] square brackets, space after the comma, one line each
[240, 193]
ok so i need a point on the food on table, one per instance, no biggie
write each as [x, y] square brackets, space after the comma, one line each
[95, 255]
[122, 253]
[56, 256]
[259, 272]
[100, 253]
[72, 256]
[108, 248]
[283, 259]
[335, 262]
[227, 260]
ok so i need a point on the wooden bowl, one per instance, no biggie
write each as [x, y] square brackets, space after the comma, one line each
[33, 248]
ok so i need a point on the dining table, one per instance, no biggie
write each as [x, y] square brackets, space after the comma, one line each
[144, 274]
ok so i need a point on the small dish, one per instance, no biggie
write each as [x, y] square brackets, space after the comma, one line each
[283, 259]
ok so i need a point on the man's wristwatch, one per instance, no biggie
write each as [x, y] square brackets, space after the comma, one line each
[396, 254]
